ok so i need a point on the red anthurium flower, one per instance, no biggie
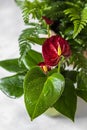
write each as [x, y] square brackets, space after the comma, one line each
[53, 48]
[44, 67]
[48, 21]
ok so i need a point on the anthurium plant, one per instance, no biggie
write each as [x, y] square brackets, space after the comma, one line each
[58, 75]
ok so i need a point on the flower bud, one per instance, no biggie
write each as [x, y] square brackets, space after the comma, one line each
[44, 67]
[47, 20]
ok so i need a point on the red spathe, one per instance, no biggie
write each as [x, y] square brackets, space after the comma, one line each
[50, 50]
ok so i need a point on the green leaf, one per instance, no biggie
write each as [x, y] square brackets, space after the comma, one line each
[68, 101]
[41, 92]
[55, 70]
[34, 31]
[71, 74]
[12, 65]
[32, 58]
[28, 37]
[32, 35]
[36, 40]
[33, 86]
[79, 17]
[12, 86]
[82, 85]
[24, 48]
[19, 2]
[82, 94]
[80, 62]
[82, 81]
[80, 23]
[32, 9]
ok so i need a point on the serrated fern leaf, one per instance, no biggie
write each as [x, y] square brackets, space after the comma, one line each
[79, 18]
[32, 9]
[24, 5]
[81, 23]
[31, 36]
[25, 11]
[24, 48]
[24, 44]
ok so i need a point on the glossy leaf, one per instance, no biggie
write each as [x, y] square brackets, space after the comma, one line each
[55, 70]
[41, 92]
[33, 85]
[32, 58]
[68, 101]
[82, 81]
[12, 65]
[82, 85]
[12, 86]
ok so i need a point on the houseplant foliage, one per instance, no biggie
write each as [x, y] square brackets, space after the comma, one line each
[46, 79]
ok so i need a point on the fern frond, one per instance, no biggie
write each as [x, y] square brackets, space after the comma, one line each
[30, 36]
[79, 18]
[54, 10]
[19, 2]
[33, 9]
[24, 48]
[72, 4]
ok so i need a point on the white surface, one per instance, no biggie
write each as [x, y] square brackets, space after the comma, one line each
[13, 115]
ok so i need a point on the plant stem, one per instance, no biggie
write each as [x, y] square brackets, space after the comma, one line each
[60, 62]
[48, 28]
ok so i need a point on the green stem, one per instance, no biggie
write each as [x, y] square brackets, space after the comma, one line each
[60, 62]
[48, 28]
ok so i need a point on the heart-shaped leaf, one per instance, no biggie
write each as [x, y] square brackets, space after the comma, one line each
[41, 92]
[33, 85]
[67, 102]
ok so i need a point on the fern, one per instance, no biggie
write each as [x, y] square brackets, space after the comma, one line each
[79, 18]
[25, 12]
[24, 48]
[19, 3]
[32, 9]
[30, 36]
[54, 10]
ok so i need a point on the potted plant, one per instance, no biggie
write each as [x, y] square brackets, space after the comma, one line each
[57, 75]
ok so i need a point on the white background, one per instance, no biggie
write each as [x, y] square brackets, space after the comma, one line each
[13, 115]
